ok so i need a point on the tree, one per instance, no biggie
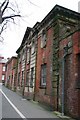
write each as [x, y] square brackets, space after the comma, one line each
[8, 13]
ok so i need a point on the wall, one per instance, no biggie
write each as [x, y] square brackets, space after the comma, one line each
[44, 56]
[0, 72]
[11, 72]
[71, 93]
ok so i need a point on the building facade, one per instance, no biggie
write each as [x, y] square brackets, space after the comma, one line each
[49, 60]
[11, 73]
[2, 69]
[57, 66]
[31, 62]
[22, 59]
[26, 71]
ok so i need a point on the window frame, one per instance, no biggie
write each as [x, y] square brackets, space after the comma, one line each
[22, 81]
[18, 78]
[43, 76]
[33, 48]
[43, 39]
[3, 77]
[28, 55]
[32, 78]
[4, 69]
[27, 78]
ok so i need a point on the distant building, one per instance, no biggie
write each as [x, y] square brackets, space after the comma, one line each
[2, 69]
[11, 72]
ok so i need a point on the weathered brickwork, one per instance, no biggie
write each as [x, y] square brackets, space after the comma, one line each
[11, 73]
[49, 52]
[43, 93]
[71, 93]
[27, 66]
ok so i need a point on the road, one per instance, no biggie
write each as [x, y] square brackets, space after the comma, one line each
[13, 106]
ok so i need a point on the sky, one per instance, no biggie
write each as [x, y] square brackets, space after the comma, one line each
[14, 34]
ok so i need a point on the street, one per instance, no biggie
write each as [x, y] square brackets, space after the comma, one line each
[14, 106]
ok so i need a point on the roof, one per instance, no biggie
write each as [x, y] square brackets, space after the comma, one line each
[13, 57]
[57, 9]
[3, 60]
[24, 38]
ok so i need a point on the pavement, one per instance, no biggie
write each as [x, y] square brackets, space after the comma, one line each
[27, 108]
[14, 106]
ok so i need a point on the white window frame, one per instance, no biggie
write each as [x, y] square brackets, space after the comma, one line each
[3, 77]
[28, 55]
[23, 56]
[43, 39]
[33, 48]
[4, 68]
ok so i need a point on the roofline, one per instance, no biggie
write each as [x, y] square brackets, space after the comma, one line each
[24, 38]
[2, 62]
[57, 9]
[11, 59]
[26, 35]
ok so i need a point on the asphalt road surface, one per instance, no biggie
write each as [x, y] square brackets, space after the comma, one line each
[13, 106]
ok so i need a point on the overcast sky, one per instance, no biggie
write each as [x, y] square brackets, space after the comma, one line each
[32, 13]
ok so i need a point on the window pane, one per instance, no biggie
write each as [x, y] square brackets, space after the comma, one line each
[27, 79]
[32, 75]
[23, 57]
[22, 78]
[43, 74]
[28, 55]
[33, 48]
[3, 68]
[43, 40]
[18, 78]
[44, 79]
[3, 76]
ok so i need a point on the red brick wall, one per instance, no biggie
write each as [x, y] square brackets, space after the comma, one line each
[71, 96]
[44, 95]
[1, 71]
[10, 71]
[76, 42]
[79, 103]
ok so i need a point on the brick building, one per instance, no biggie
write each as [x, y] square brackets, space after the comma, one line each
[31, 62]
[49, 60]
[44, 65]
[2, 69]
[58, 59]
[11, 72]
[22, 56]
[27, 63]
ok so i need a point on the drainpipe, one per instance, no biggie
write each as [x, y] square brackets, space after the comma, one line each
[63, 73]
